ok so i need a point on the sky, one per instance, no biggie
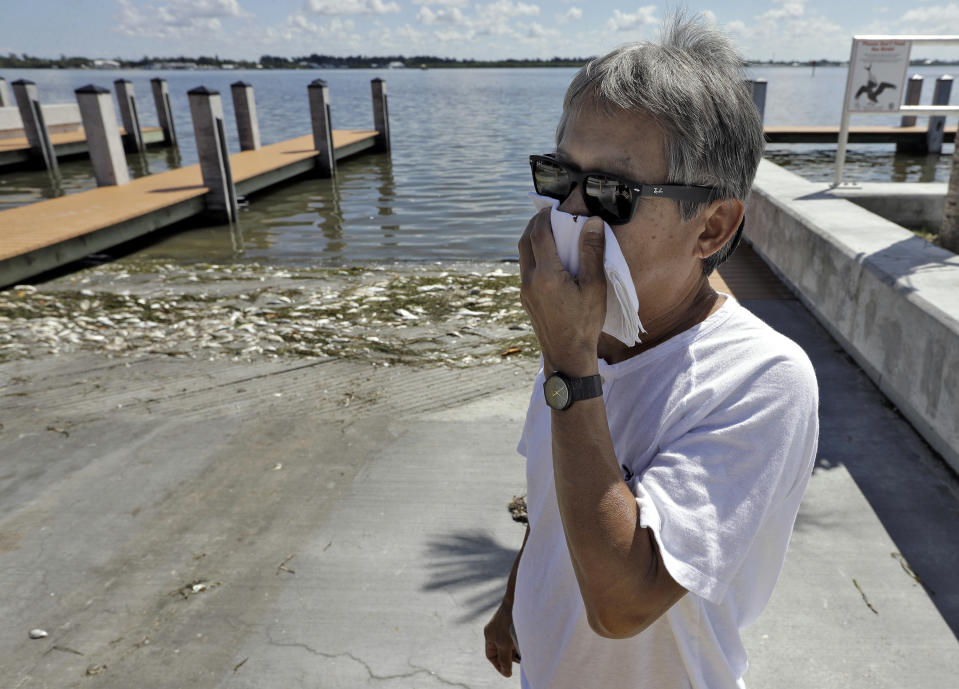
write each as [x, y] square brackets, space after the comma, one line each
[490, 29]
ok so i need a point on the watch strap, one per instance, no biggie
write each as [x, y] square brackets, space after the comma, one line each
[585, 388]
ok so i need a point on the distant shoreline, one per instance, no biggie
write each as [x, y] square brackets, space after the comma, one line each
[324, 62]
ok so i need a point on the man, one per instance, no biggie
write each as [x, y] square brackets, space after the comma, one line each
[664, 477]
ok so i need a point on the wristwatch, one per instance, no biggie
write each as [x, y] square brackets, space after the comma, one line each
[561, 390]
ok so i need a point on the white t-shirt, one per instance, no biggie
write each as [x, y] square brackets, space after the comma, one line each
[716, 432]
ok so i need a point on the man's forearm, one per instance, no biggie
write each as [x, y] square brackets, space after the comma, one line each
[511, 582]
[613, 557]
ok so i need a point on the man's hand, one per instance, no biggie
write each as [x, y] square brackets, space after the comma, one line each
[567, 313]
[500, 649]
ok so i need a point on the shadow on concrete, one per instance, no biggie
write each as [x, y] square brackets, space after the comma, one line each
[908, 485]
[911, 256]
[470, 564]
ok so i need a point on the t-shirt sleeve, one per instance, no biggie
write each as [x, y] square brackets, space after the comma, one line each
[707, 494]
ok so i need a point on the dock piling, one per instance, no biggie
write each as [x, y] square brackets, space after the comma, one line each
[161, 98]
[940, 96]
[913, 95]
[949, 230]
[758, 87]
[5, 101]
[381, 114]
[103, 135]
[128, 113]
[34, 126]
[246, 121]
[322, 127]
[206, 109]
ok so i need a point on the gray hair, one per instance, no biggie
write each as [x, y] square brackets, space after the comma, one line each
[693, 86]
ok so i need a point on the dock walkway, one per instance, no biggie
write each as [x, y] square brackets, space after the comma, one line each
[16, 150]
[48, 234]
[792, 134]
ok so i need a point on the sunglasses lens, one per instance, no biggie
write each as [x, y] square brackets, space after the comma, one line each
[609, 197]
[550, 179]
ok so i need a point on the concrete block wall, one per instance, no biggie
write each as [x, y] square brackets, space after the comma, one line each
[890, 298]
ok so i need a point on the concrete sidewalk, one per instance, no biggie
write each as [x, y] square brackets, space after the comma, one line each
[175, 523]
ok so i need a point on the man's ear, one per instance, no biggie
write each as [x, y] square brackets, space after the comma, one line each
[722, 219]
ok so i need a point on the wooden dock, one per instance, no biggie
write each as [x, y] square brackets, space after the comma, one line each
[16, 150]
[857, 135]
[48, 234]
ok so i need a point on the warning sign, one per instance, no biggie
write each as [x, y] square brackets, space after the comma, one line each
[878, 69]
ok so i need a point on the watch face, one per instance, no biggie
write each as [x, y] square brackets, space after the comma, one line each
[557, 392]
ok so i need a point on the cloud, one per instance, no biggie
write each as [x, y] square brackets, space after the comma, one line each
[174, 19]
[930, 19]
[408, 33]
[443, 3]
[207, 8]
[489, 19]
[571, 15]
[334, 27]
[449, 17]
[538, 31]
[621, 21]
[502, 9]
[789, 31]
[785, 9]
[351, 6]
[451, 36]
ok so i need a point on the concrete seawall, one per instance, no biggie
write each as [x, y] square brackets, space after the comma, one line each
[890, 298]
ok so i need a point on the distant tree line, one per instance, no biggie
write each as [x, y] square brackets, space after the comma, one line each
[24, 61]
[313, 61]
[432, 61]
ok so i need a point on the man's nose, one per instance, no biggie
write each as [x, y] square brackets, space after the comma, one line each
[574, 203]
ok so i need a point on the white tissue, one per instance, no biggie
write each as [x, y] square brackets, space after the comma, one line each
[622, 305]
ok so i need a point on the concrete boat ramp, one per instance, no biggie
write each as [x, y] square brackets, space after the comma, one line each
[326, 523]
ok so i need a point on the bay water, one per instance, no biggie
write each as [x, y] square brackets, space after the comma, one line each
[454, 186]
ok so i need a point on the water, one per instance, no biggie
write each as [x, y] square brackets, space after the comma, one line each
[454, 186]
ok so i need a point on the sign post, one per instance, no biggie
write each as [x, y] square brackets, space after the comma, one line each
[876, 79]
[877, 72]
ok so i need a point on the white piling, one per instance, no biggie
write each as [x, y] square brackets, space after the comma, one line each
[940, 96]
[381, 114]
[322, 127]
[5, 101]
[33, 125]
[103, 135]
[161, 99]
[758, 87]
[244, 106]
[206, 109]
[128, 113]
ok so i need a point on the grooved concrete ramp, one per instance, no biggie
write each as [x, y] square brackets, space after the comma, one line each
[325, 523]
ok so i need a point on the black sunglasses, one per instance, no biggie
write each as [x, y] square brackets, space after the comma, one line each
[611, 197]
